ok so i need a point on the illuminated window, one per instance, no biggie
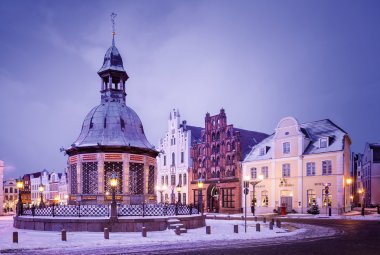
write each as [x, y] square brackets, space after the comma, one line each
[264, 198]
[311, 197]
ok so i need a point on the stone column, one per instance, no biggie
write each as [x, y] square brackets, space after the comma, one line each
[125, 176]
[101, 173]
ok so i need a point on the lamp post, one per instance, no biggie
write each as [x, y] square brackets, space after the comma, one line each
[113, 184]
[246, 191]
[200, 202]
[41, 189]
[361, 193]
[348, 182]
[254, 183]
[179, 188]
[161, 189]
[20, 186]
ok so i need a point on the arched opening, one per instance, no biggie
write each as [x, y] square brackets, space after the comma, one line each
[213, 198]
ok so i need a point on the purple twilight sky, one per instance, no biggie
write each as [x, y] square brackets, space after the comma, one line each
[260, 60]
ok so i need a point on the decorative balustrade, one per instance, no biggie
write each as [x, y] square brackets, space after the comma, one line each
[104, 210]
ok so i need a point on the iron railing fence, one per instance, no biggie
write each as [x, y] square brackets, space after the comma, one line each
[104, 210]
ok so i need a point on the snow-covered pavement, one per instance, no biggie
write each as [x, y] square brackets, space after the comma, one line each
[50, 242]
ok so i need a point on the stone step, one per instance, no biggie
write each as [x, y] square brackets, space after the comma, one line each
[173, 226]
[173, 221]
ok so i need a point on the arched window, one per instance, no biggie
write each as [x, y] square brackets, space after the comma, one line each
[217, 161]
[217, 136]
[204, 163]
[213, 136]
[228, 133]
[173, 159]
[233, 145]
[218, 148]
[233, 171]
[213, 149]
[228, 146]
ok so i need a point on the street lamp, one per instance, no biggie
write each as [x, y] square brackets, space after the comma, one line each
[161, 189]
[246, 191]
[179, 188]
[41, 189]
[361, 193]
[200, 202]
[113, 183]
[254, 183]
[20, 186]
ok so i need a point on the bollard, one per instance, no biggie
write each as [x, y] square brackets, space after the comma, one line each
[236, 228]
[144, 231]
[15, 237]
[106, 233]
[270, 226]
[265, 220]
[229, 216]
[258, 227]
[329, 211]
[255, 218]
[63, 235]
[215, 217]
[278, 223]
[272, 220]
[242, 217]
[177, 231]
[378, 209]
[208, 230]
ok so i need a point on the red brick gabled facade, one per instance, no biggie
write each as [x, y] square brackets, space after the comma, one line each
[216, 159]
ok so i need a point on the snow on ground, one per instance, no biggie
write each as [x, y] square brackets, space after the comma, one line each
[220, 230]
[347, 216]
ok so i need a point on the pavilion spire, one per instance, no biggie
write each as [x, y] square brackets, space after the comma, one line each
[113, 16]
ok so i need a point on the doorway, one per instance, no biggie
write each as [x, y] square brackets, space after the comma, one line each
[213, 199]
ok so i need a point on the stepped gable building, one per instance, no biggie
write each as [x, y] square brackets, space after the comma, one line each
[298, 163]
[112, 142]
[217, 160]
[174, 161]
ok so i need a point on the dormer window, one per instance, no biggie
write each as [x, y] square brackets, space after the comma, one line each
[262, 151]
[323, 142]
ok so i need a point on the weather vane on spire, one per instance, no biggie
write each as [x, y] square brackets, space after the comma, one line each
[113, 16]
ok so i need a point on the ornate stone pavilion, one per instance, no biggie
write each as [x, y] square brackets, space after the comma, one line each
[112, 142]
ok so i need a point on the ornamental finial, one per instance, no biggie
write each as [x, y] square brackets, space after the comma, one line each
[113, 16]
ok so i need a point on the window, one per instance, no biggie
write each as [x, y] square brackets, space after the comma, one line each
[311, 197]
[173, 159]
[262, 151]
[264, 198]
[253, 173]
[136, 178]
[162, 180]
[286, 170]
[182, 156]
[327, 200]
[184, 198]
[184, 179]
[323, 142]
[326, 167]
[227, 198]
[180, 180]
[167, 180]
[10, 190]
[151, 180]
[310, 168]
[264, 171]
[6, 190]
[286, 148]
[172, 181]
[164, 160]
